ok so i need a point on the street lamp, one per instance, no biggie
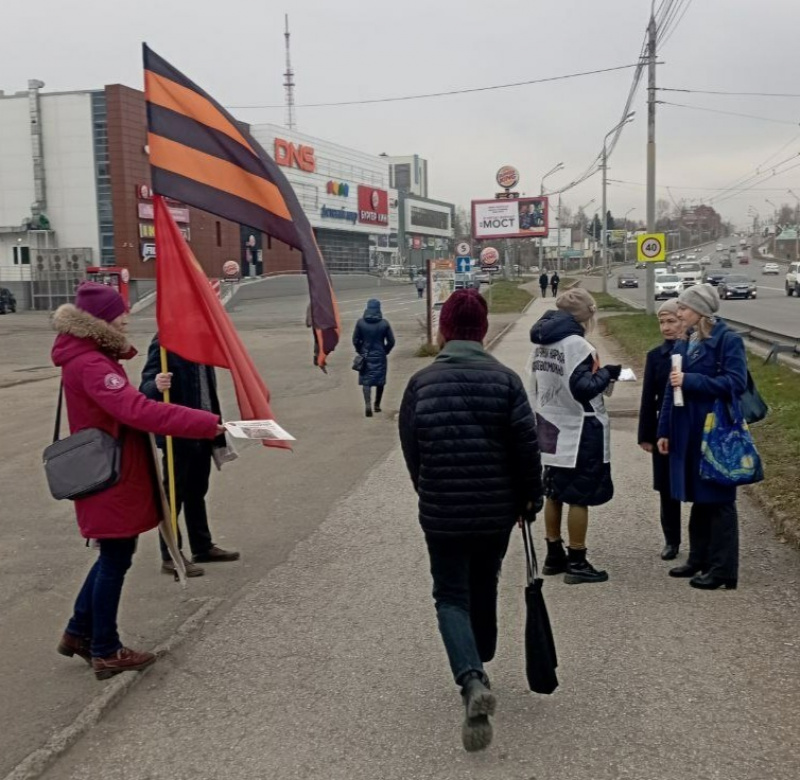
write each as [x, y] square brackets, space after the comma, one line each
[555, 169]
[604, 166]
[626, 231]
[796, 227]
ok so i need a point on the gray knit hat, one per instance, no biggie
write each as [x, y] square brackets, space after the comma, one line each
[577, 302]
[702, 298]
[670, 306]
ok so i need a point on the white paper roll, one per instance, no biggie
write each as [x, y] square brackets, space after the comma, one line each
[677, 393]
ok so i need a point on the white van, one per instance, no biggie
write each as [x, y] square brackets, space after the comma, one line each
[689, 273]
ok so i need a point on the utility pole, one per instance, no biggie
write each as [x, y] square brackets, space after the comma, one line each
[558, 220]
[650, 280]
[604, 221]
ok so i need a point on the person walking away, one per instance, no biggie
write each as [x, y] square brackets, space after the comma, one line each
[420, 284]
[555, 280]
[469, 441]
[714, 367]
[574, 431]
[656, 377]
[194, 386]
[90, 343]
[543, 283]
[374, 340]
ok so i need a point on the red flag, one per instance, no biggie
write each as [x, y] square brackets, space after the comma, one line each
[193, 323]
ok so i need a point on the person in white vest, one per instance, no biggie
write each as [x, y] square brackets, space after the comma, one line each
[567, 385]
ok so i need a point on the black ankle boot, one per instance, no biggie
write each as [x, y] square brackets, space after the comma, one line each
[670, 552]
[556, 560]
[580, 570]
[479, 704]
[687, 570]
[711, 581]
[368, 411]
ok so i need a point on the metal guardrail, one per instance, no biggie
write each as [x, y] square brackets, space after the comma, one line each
[778, 343]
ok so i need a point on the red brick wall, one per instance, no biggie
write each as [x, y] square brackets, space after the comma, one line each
[127, 138]
[279, 258]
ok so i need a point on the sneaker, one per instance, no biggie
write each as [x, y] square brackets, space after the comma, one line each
[479, 704]
[579, 570]
[216, 554]
[192, 569]
[124, 660]
[74, 645]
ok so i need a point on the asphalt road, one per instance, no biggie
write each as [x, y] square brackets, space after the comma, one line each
[772, 310]
[263, 504]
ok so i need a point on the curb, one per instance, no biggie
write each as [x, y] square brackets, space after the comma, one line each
[34, 764]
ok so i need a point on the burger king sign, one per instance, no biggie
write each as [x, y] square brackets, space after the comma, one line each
[507, 177]
[490, 259]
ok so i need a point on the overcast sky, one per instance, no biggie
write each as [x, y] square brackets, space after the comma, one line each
[347, 50]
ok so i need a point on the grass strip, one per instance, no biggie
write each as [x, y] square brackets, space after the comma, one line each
[607, 302]
[777, 437]
[506, 297]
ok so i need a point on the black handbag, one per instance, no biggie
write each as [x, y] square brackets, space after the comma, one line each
[754, 407]
[82, 464]
[358, 363]
[540, 647]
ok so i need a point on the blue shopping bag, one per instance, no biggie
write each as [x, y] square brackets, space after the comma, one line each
[728, 453]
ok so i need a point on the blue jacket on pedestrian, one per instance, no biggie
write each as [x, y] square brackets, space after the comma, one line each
[715, 368]
[373, 338]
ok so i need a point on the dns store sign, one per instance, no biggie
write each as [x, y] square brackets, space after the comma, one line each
[295, 155]
[373, 206]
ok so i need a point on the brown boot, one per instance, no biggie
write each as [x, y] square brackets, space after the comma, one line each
[216, 554]
[124, 660]
[192, 569]
[74, 645]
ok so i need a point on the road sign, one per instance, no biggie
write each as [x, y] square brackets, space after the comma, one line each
[463, 265]
[650, 247]
[463, 249]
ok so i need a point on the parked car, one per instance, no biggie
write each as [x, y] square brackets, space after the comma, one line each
[793, 280]
[668, 286]
[627, 280]
[714, 277]
[737, 286]
[8, 303]
[771, 268]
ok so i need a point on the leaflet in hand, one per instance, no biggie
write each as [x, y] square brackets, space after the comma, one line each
[627, 375]
[258, 429]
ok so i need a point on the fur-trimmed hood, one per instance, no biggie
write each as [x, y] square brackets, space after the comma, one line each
[80, 332]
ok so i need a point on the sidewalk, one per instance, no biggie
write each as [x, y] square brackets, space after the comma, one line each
[331, 666]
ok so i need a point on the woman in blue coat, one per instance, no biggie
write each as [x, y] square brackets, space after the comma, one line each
[374, 340]
[714, 367]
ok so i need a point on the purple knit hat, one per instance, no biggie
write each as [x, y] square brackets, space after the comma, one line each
[464, 317]
[100, 301]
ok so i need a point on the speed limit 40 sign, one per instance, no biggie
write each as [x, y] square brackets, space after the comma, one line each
[651, 247]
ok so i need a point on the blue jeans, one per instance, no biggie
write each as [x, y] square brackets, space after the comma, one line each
[465, 571]
[95, 615]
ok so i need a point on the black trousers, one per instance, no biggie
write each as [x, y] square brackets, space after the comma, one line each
[192, 475]
[714, 539]
[670, 518]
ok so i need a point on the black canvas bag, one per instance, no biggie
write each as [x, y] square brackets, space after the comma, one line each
[540, 647]
[82, 464]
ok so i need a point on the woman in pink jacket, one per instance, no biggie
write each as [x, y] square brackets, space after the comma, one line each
[90, 343]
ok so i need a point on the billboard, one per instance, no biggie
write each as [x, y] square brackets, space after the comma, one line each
[518, 218]
[552, 239]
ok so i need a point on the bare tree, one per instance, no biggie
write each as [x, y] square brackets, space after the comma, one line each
[462, 223]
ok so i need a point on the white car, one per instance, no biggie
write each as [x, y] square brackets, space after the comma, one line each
[720, 248]
[705, 260]
[668, 286]
[689, 272]
[771, 268]
[660, 271]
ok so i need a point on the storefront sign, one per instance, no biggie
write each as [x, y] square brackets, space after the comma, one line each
[148, 230]
[508, 177]
[179, 214]
[338, 188]
[295, 155]
[373, 206]
[523, 218]
[416, 242]
[148, 252]
[343, 214]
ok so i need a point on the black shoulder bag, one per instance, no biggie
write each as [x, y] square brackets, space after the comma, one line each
[754, 407]
[82, 464]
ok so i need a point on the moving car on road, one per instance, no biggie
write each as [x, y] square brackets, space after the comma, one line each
[705, 260]
[719, 247]
[771, 268]
[668, 286]
[737, 286]
[627, 280]
[690, 273]
[743, 258]
[726, 263]
[8, 303]
[714, 277]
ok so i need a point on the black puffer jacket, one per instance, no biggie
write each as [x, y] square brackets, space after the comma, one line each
[589, 483]
[469, 440]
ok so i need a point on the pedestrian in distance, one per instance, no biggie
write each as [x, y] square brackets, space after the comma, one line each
[555, 280]
[574, 431]
[90, 343]
[373, 339]
[654, 384]
[420, 283]
[469, 441]
[195, 387]
[714, 366]
[543, 281]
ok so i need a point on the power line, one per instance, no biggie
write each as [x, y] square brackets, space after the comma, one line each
[735, 94]
[448, 93]
[665, 39]
[729, 113]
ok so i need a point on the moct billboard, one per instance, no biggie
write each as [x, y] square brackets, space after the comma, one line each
[512, 218]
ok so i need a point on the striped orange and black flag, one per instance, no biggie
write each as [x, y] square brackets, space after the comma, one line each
[201, 155]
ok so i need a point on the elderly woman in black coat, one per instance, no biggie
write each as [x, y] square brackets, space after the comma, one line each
[656, 377]
[373, 340]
